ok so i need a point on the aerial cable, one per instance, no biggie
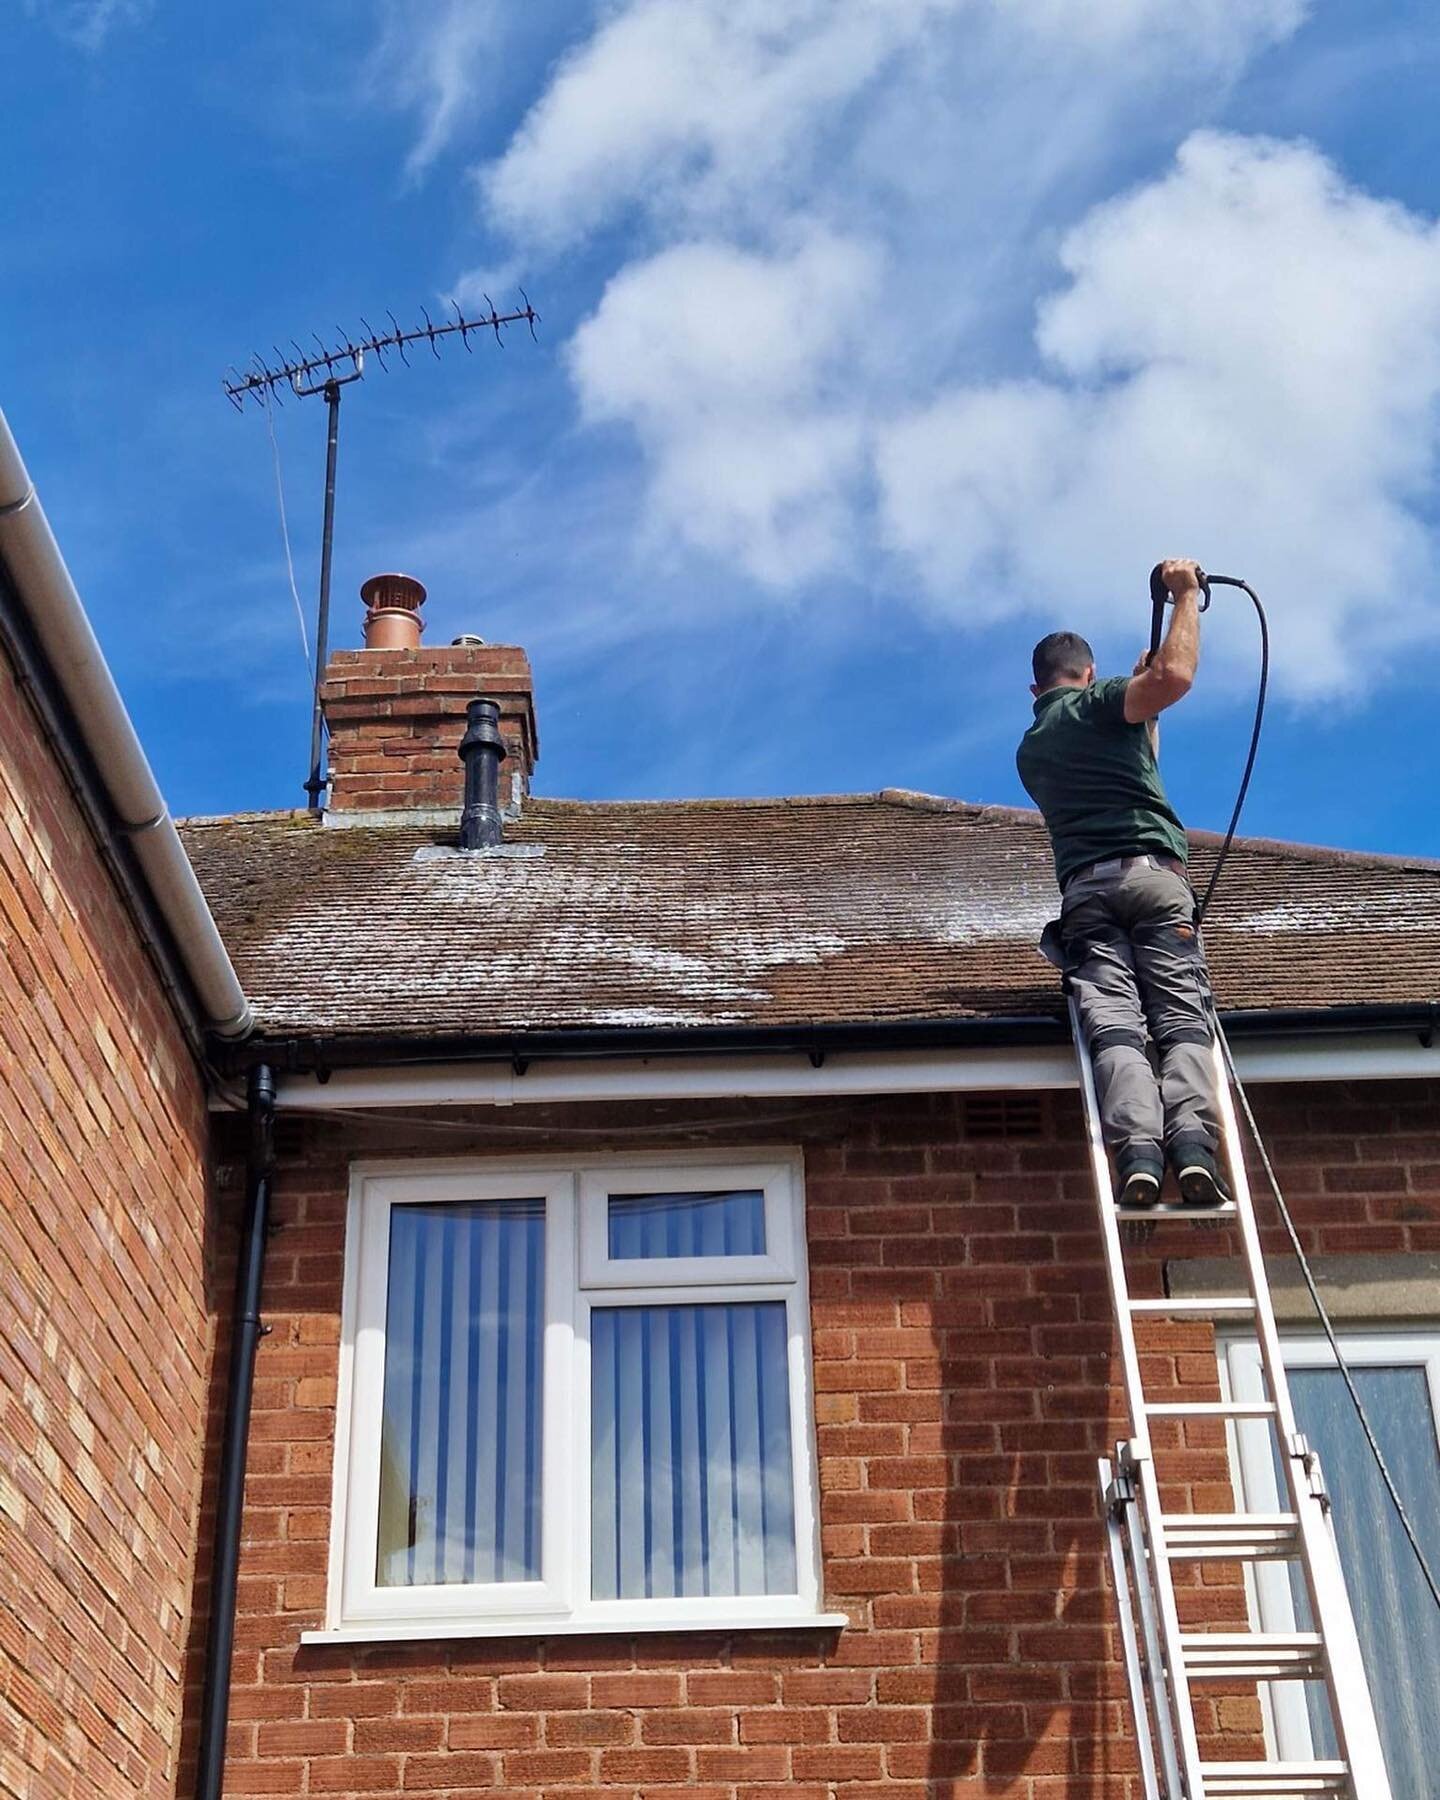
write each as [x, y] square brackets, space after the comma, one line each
[285, 537]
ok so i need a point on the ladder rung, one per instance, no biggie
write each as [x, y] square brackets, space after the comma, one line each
[1231, 1537]
[1177, 1209]
[1203, 1307]
[1210, 1409]
[1252, 1655]
[1273, 1781]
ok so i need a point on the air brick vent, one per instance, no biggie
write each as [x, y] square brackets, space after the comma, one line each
[1003, 1116]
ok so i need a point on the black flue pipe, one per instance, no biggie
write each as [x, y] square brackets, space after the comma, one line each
[246, 1332]
[482, 750]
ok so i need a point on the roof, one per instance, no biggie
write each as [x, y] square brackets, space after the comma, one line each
[872, 908]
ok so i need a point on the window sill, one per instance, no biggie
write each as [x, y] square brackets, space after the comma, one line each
[402, 1631]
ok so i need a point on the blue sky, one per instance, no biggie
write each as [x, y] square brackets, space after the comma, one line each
[877, 341]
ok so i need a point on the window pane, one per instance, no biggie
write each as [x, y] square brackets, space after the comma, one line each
[1395, 1616]
[730, 1224]
[692, 1483]
[460, 1434]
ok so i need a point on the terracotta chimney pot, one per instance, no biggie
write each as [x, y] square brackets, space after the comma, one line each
[392, 612]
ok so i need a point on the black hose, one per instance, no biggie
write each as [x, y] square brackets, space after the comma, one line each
[1305, 1270]
[1244, 788]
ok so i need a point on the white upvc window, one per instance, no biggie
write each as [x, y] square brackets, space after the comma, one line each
[574, 1397]
[1397, 1374]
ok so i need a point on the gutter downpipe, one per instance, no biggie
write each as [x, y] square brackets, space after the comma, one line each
[63, 633]
[246, 1332]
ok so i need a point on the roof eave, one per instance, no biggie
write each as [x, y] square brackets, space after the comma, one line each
[298, 1052]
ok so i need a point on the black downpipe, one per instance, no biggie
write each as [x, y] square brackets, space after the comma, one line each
[246, 1333]
[482, 750]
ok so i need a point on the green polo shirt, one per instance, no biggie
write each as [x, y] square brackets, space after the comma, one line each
[1095, 779]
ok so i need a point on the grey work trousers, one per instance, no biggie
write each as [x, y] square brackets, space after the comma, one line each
[1134, 964]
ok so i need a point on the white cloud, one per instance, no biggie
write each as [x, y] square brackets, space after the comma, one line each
[687, 103]
[1245, 364]
[699, 106]
[754, 373]
[723, 363]
[828, 228]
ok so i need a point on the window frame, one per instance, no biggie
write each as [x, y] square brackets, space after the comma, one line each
[598, 1269]
[357, 1608]
[1267, 1584]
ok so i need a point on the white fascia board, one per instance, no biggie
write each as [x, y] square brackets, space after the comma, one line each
[1375, 1056]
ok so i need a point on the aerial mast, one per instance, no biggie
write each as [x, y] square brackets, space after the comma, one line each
[327, 372]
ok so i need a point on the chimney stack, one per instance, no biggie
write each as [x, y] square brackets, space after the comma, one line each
[396, 715]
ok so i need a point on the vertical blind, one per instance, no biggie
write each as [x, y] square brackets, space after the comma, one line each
[720, 1224]
[1398, 1622]
[460, 1433]
[692, 1482]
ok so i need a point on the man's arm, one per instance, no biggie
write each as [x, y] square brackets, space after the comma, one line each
[1152, 726]
[1169, 673]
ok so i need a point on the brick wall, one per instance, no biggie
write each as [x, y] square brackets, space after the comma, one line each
[964, 1374]
[103, 1326]
[396, 717]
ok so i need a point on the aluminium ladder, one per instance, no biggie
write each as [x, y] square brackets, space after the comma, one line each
[1162, 1659]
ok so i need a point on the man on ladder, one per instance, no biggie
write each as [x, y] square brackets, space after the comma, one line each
[1127, 937]
[1127, 940]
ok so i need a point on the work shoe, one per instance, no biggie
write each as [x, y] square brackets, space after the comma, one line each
[1141, 1169]
[1200, 1181]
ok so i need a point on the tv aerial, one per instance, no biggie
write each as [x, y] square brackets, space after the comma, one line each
[327, 372]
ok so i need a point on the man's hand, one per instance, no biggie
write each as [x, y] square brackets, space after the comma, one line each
[1181, 575]
[1160, 680]
[1143, 664]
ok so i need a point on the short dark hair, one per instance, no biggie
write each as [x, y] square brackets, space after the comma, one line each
[1062, 653]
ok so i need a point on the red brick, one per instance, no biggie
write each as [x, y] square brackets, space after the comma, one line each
[543, 1691]
[644, 1765]
[723, 1687]
[643, 1688]
[493, 1731]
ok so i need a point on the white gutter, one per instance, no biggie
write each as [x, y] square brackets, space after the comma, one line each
[30, 553]
[1367, 1056]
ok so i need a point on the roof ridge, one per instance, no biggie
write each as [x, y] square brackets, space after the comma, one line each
[260, 816]
[743, 802]
[908, 799]
[1324, 853]
[917, 800]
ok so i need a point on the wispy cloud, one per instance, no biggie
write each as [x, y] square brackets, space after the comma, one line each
[89, 24]
[433, 63]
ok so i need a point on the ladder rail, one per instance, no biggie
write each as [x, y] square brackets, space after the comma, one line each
[1127, 1602]
[1346, 1683]
[1170, 1688]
